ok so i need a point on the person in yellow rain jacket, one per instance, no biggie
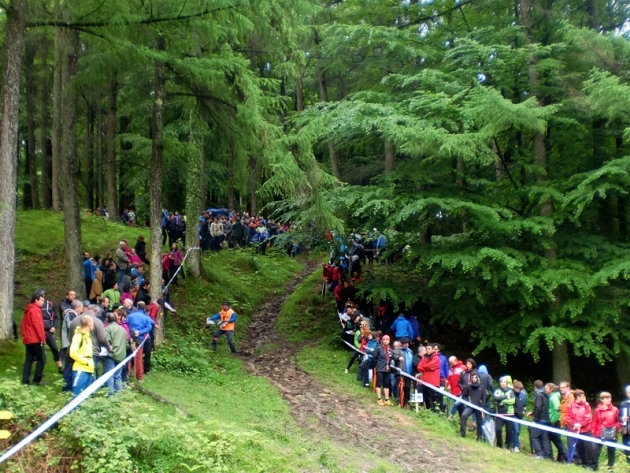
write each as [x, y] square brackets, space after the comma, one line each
[227, 318]
[81, 353]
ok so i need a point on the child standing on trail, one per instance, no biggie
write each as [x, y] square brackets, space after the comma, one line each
[227, 319]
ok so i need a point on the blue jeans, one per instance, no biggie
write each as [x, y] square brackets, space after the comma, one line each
[80, 381]
[121, 273]
[115, 382]
[516, 432]
[393, 382]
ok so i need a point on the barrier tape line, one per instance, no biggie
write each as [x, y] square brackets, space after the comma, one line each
[68, 407]
[514, 419]
[180, 266]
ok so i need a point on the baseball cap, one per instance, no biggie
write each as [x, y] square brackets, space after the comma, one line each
[86, 303]
[403, 340]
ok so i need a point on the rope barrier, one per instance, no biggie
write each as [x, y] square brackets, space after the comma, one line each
[180, 266]
[514, 419]
[75, 402]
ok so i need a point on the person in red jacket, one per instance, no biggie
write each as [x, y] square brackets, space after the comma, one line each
[455, 370]
[34, 338]
[579, 420]
[606, 426]
[429, 368]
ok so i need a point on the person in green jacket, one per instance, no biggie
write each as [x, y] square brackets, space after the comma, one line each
[114, 296]
[117, 337]
[358, 338]
[553, 393]
[504, 399]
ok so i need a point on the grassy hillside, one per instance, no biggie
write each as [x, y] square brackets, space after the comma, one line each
[237, 422]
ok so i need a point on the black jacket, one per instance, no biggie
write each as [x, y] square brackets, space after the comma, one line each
[476, 394]
[143, 296]
[141, 247]
[541, 406]
[382, 357]
[50, 317]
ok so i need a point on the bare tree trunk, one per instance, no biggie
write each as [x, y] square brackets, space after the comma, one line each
[202, 170]
[156, 186]
[323, 96]
[11, 67]
[560, 355]
[71, 215]
[299, 94]
[112, 193]
[88, 157]
[56, 131]
[29, 59]
[100, 194]
[389, 156]
[43, 128]
[193, 263]
[593, 14]
[253, 180]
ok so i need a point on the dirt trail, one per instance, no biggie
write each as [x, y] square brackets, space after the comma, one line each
[348, 421]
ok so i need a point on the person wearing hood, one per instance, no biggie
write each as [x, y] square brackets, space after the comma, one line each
[554, 419]
[606, 426]
[402, 328]
[539, 438]
[504, 399]
[624, 416]
[476, 394]
[97, 286]
[579, 421]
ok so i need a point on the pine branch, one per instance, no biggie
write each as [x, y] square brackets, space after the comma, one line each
[437, 15]
[145, 21]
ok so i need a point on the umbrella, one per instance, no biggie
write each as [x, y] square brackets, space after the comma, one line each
[489, 431]
[572, 450]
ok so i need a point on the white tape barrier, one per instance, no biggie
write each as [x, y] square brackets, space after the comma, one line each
[68, 407]
[180, 266]
[514, 419]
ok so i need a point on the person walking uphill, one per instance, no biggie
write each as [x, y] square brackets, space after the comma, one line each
[34, 338]
[227, 319]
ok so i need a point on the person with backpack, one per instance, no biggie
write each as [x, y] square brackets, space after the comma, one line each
[51, 323]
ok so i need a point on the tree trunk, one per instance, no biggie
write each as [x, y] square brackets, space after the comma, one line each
[11, 67]
[593, 14]
[299, 94]
[43, 129]
[202, 184]
[88, 157]
[561, 365]
[56, 131]
[253, 179]
[112, 193]
[31, 156]
[323, 96]
[100, 194]
[230, 181]
[193, 184]
[71, 215]
[389, 156]
[156, 186]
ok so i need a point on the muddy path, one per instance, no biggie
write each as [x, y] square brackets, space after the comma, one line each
[348, 422]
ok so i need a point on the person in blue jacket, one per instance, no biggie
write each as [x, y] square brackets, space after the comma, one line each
[444, 367]
[140, 327]
[402, 328]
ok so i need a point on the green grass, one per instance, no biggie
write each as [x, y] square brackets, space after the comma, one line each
[305, 315]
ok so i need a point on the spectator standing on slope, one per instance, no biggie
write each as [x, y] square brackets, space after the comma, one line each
[51, 324]
[429, 367]
[34, 338]
[75, 310]
[381, 358]
[82, 354]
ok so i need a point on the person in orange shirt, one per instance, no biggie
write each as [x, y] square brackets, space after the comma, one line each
[227, 318]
